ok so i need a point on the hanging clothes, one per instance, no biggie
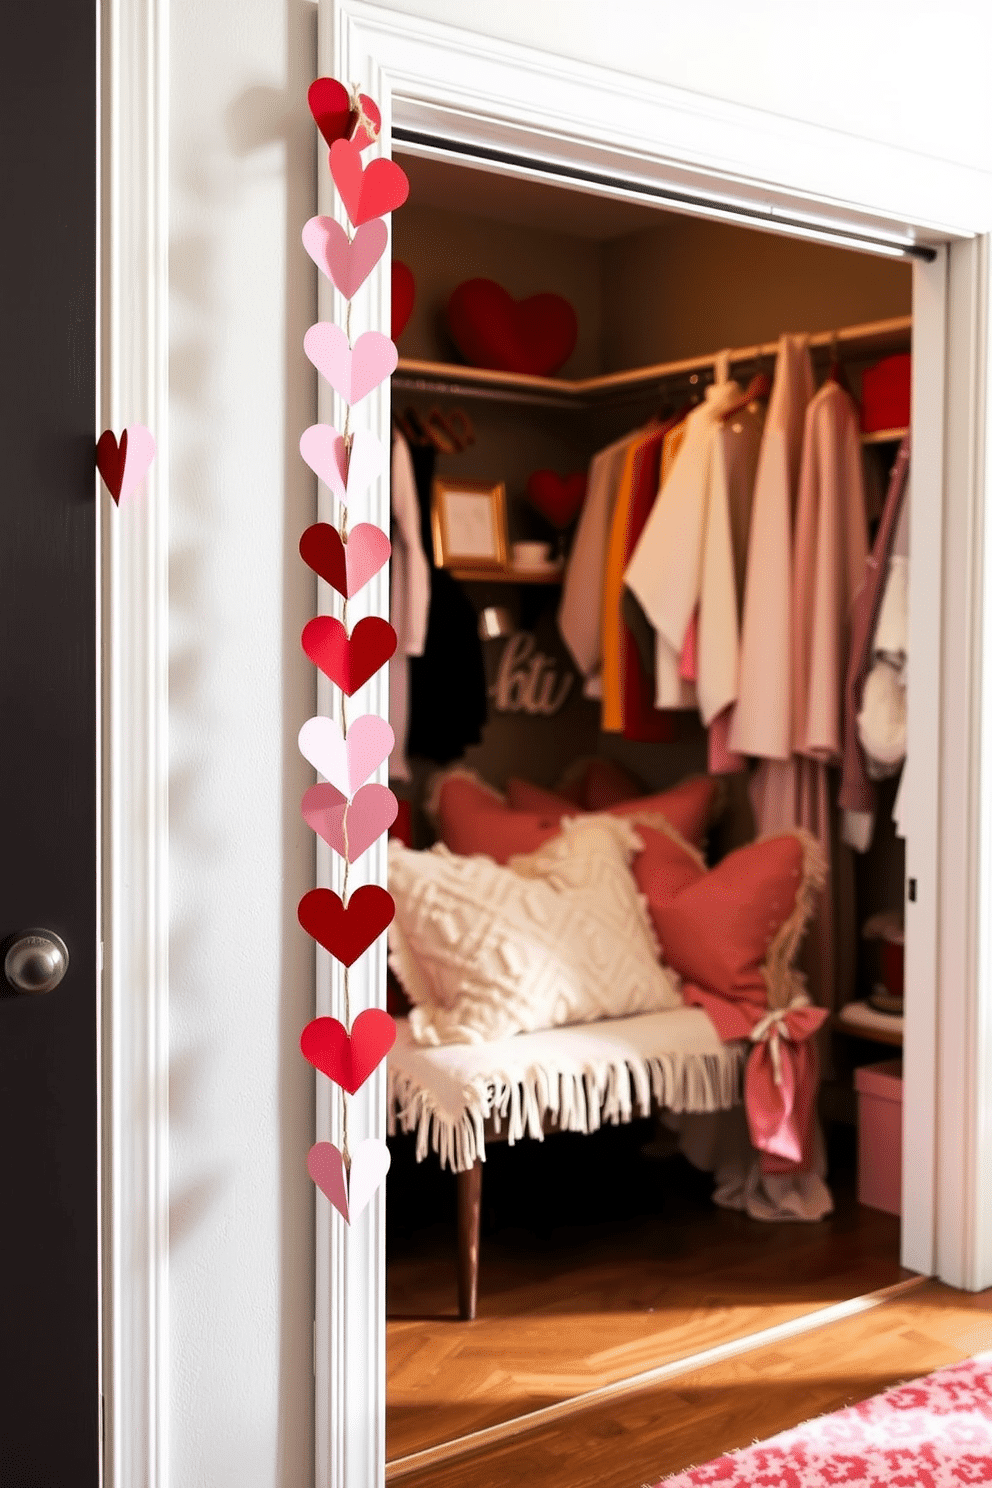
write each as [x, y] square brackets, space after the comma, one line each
[684, 558]
[829, 552]
[857, 793]
[629, 689]
[409, 596]
[448, 694]
[762, 720]
[739, 446]
[580, 613]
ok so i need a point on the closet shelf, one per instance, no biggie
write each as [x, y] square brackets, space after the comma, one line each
[884, 436]
[876, 338]
[509, 575]
[860, 1019]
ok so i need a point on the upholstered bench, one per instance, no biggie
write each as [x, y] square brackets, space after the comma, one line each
[458, 1097]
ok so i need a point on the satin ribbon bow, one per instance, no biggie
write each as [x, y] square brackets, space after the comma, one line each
[774, 1027]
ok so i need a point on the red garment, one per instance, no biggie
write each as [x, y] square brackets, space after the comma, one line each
[641, 719]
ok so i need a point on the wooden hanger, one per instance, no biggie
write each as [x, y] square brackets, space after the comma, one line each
[835, 372]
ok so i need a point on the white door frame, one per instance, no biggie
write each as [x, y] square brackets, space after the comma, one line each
[498, 95]
[134, 623]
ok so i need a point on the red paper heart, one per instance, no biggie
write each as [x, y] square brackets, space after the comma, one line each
[349, 661]
[110, 458]
[346, 930]
[491, 329]
[557, 497]
[367, 191]
[349, 1060]
[331, 106]
[404, 294]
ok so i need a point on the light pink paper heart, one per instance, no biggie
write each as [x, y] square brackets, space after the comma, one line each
[346, 264]
[323, 448]
[347, 763]
[369, 1166]
[140, 454]
[353, 371]
[371, 813]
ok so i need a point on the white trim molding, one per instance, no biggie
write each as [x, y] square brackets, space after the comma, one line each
[444, 82]
[964, 1136]
[133, 335]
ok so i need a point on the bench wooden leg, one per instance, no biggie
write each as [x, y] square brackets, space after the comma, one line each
[469, 1225]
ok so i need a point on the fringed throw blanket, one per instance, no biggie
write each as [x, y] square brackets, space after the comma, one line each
[572, 1078]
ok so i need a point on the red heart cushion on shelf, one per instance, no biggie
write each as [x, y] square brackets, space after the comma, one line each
[491, 329]
[404, 294]
[557, 497]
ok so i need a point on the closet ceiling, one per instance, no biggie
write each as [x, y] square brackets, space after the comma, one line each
[482, 193]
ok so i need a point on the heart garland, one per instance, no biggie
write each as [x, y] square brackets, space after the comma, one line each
[124, 466]
[348, 811]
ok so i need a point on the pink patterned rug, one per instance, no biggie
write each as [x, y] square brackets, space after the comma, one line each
[933, 1433]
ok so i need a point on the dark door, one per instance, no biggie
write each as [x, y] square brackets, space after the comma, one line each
[49, 1115]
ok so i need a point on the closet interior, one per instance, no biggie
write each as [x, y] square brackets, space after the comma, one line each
[598, 1252]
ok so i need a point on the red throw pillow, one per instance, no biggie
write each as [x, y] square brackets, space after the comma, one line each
[606, 784]
[666, 866]
[718, 929]
[475, 820]
[522, 796]
[687, 806]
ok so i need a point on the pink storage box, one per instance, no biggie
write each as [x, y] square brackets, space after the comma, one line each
[879, 1088]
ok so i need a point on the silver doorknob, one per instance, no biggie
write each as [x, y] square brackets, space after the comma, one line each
[36, 961]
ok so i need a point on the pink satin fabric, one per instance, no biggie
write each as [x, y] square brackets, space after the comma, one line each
[779, 1113]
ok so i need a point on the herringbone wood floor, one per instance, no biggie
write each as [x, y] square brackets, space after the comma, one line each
[589, 1304]
[699, 1415]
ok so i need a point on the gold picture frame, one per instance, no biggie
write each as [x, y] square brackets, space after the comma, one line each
[468, 524]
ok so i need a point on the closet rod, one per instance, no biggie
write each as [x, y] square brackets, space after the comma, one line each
[767, 218]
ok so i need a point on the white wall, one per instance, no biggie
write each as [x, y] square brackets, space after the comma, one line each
[243, 183]
[243, 165]
[909, 72]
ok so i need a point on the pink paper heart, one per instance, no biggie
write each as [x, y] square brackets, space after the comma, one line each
[346, 566]
[346, 264]
[348, 477]
[350, 1194]
[367, 191]
[371, 813]
[346, 763]
[326, 1167]
[352, 371]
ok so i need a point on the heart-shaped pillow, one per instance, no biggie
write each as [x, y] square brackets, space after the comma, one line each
[491, 329]
[557, 497]
[404, 294]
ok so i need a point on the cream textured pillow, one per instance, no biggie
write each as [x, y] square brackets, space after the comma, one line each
[564, 937]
